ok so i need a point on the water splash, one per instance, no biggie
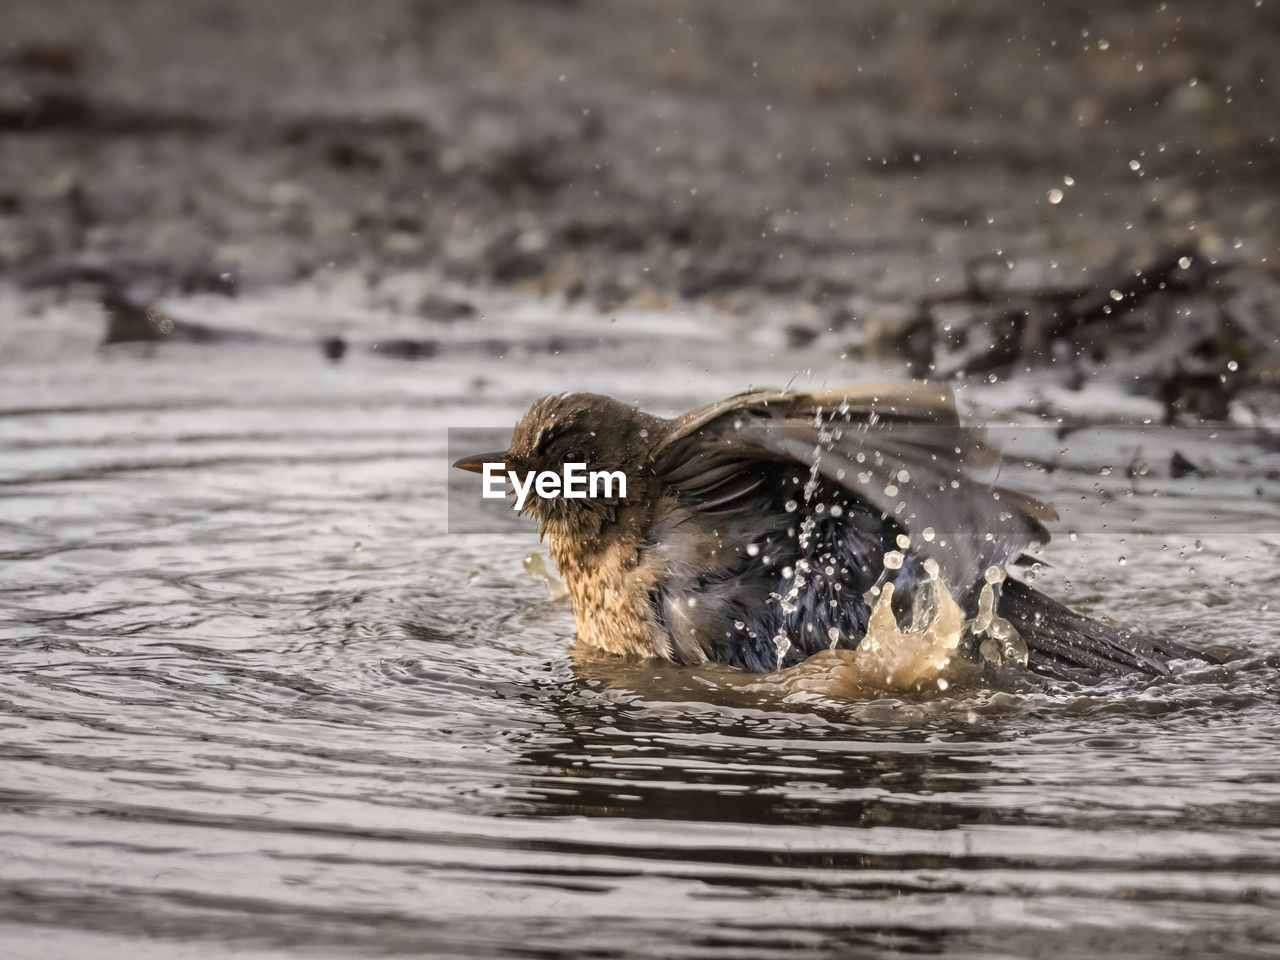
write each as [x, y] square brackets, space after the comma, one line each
[789, 602]
[923, 655]
[1001, 641]
[906, 659]
[888, 657]
[536, 567]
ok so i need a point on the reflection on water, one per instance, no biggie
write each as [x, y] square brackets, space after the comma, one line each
[252, 695]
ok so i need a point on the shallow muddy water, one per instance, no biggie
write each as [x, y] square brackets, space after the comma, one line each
[255, 697]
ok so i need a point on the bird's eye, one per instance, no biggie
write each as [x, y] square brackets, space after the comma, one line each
[573, 456]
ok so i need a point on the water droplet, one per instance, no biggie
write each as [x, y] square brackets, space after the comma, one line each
[893, 560]
[903, 541]
[791, 506]
[1055, 196]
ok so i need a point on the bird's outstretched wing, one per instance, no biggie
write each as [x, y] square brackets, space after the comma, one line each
[900, 448]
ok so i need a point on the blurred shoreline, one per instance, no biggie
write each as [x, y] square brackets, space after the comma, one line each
[876, 174]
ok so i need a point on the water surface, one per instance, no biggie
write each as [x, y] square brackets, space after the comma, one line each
[255, 698]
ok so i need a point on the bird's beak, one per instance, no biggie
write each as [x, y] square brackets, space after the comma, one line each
[476, 462]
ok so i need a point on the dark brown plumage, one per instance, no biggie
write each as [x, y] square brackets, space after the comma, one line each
[768, 515]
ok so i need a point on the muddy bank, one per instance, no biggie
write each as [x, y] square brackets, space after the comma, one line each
[876, 176]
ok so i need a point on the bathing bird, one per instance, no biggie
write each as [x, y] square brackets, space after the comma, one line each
[757, 530]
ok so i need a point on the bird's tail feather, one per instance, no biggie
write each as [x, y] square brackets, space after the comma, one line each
[1066, 645]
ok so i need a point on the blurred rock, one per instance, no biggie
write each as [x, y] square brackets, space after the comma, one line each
[444, 308]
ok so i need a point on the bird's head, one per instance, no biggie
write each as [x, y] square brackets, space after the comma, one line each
[603, 438]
